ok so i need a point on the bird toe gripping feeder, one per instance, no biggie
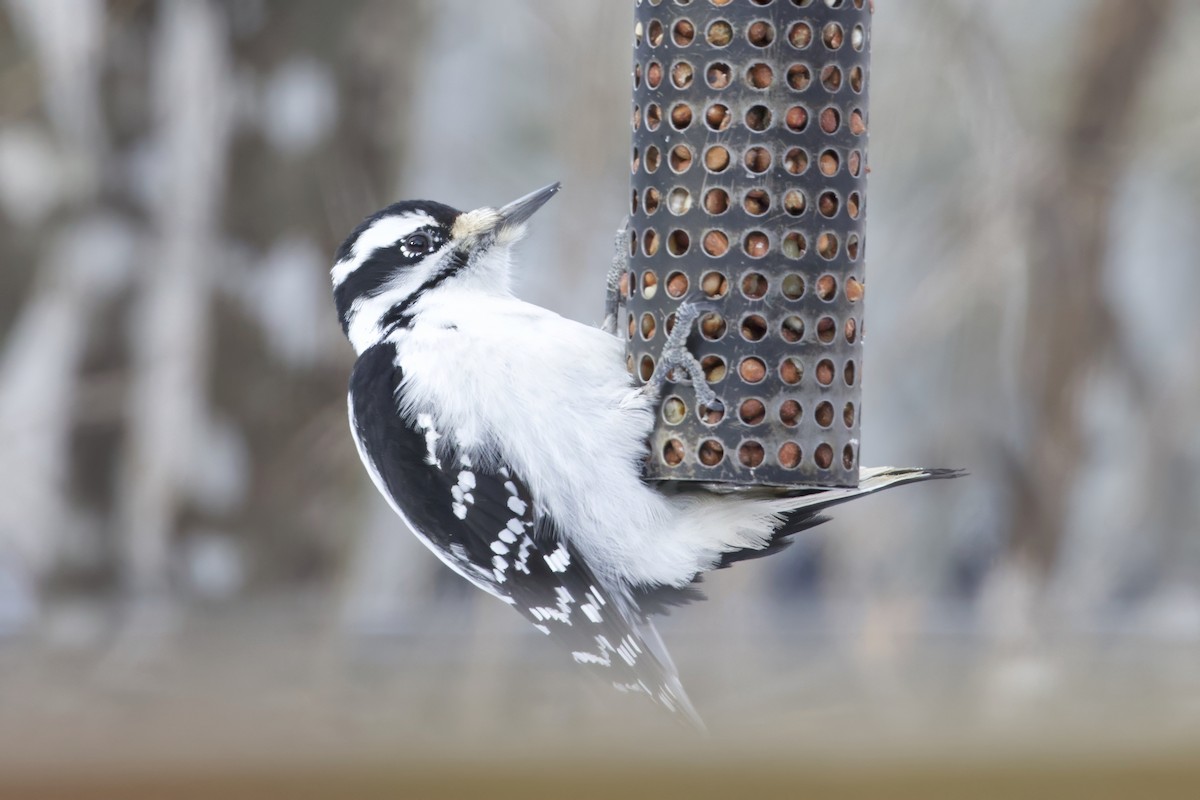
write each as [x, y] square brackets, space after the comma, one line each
[749, 165]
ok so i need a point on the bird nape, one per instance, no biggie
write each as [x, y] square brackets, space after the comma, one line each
[511, 441]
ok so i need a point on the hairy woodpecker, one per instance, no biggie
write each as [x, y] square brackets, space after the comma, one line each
[510, 440]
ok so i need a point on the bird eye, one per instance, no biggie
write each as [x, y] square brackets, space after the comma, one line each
[419, 242]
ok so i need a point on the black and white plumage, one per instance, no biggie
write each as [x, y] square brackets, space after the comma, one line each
[510, 440]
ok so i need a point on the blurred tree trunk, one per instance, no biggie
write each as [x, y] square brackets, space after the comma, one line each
[1069, 324]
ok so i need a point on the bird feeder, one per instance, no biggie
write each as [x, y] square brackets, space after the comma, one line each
[748, 195]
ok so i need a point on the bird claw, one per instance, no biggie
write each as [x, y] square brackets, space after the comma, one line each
[675, 355]
[620, 266]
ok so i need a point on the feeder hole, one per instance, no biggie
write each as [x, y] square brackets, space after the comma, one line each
[857, 126]
[796, 119]
[799, 77]
[653, 74]
[826, 330]
[752, 369]
[852, 203]
[831, 78]
[832, 35]
[827, 204]
[648, 326]
[756, 202]
[790, 412]
[650, 242]
[756, 244]
[682, 74]
[758, 160]
[714, 284]
[794, 245]
[674, 410]
[792, 328]
[681, 158]
[829, 163]
[760, 33]
[716, 244]
[711, 452]
[751, 454]
[719, 34]
[824, 414]
[651, 200]
[716, 201]
[752, 411]
[717, 117]
[653, 156]
[712, 326]
[789, 455]
[754, 328]
[681, 116]
[793, 286]
[796, 161]
[754, 285]
[825, 372]
[791, 371]
[683, 32]
[679, 201]
[758, 118]
[677, 285]
[827, 245]
[718, 75]
[646, 368]
[716, 158]
[800, 35]
[759, 76]
[678, 242]
[824, 456]
[713, 368]
[830, 119]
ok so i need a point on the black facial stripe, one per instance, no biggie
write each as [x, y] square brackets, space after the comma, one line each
[398, 316]
[373, 274]
[440, 213]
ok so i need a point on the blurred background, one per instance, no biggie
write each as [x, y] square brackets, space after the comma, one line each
[196, 575]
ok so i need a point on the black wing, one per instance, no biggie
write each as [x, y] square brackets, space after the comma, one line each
[483, 522]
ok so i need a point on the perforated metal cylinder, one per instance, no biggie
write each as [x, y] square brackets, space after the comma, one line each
[749, 165]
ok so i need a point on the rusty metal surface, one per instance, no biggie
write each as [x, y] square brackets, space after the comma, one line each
[779, 89]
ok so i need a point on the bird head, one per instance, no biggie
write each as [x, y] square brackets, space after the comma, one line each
[419, 251]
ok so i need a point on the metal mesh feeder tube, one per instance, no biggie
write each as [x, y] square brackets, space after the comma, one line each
[748, 193]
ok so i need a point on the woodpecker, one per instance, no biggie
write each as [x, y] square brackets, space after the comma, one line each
[510, 440]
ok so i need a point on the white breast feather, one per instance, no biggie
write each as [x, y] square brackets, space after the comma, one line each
[556, 397]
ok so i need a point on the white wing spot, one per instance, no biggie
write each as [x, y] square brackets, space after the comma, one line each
[425, 423]
[559, 560]
[499, 548]
[517, 506]
[523, 554]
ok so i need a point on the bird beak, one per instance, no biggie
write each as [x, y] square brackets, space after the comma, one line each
[484, 226]
[521, 209]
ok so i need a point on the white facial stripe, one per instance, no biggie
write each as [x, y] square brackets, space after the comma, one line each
[382, 233]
